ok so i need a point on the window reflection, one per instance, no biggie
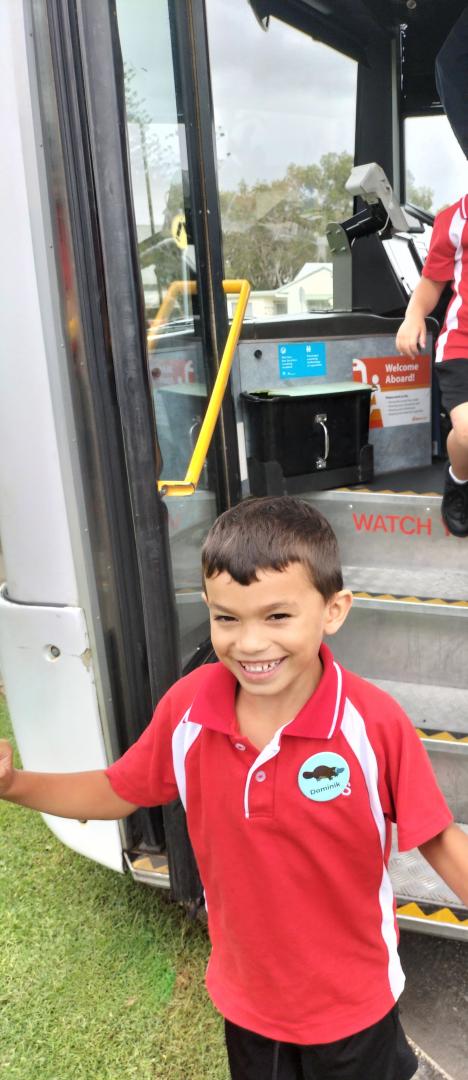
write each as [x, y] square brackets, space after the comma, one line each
[284, 120]
[176, 367]
[157, 151]
[161, 197]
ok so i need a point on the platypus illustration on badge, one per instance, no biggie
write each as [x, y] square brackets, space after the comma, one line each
[323, 772]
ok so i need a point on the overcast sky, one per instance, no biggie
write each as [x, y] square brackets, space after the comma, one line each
[279, 98]
[435, 158]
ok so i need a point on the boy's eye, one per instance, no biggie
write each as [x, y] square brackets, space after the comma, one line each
[224, 618]
[277, 615]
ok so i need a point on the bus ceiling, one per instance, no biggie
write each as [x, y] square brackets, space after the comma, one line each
[355, 27]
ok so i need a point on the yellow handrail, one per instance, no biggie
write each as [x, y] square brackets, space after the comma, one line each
[188, 485]
[160, 318]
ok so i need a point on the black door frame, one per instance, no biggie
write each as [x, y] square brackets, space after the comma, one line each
[89, 83]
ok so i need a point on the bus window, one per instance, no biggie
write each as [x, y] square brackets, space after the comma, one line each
[436, 168]
[162, 206]
[284, 109]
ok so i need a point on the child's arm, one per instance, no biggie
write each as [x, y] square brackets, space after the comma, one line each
[447, 853]
[412, 331]
[85, 795]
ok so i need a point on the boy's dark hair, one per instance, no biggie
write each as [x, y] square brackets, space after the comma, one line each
[268, 534]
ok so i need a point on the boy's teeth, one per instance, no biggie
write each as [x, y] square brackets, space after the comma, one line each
[260, 667]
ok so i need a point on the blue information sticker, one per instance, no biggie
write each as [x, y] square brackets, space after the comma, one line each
[301, 359]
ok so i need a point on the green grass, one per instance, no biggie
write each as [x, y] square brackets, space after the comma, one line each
[100, 978]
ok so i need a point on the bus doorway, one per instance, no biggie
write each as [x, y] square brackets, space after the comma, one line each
[187, 148]
[405, 570]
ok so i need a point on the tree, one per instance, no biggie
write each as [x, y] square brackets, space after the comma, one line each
[271, 230]
[155, 162]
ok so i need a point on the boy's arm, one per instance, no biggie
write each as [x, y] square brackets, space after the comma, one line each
[84, 796]
[447, 853]
[412, 331]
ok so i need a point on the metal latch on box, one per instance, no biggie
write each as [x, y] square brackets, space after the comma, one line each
[321, 462]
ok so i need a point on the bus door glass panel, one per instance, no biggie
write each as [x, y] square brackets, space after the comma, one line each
[436, 167]
[162, 204]
[285, 110]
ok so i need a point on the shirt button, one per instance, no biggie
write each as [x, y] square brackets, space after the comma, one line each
[239, 746]
[260, 776]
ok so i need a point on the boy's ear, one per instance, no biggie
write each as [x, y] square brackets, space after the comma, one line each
[337, 610]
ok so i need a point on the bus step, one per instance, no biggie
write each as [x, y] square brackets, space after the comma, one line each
[416, 642]
[442, 922]
[418, 652]
[395, 542]
[424, 901]
[151, 868]
[433, 709]
[449, 758]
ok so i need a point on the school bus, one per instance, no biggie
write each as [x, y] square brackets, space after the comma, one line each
[213, 215]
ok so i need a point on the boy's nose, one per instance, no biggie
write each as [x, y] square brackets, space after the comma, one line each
[251, 641]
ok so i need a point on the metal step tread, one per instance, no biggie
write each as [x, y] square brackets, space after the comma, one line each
[396, 544]
[415, 882]
[149, 867]
[408, 651]
[428, 583]
[435, 710]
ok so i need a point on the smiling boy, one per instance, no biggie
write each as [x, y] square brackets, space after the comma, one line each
[269, 636]
[292, 771]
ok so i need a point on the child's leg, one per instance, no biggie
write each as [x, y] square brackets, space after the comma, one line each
[457, 442]
[455, 499]
[253, 1057]
[453, 382]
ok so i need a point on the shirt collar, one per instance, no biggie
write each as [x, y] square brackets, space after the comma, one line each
[464, 207]
[319, 718]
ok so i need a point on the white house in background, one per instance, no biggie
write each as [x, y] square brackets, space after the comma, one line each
[310, 290]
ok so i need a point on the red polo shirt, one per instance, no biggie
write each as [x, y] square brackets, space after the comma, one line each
[447, 260]
[292, 844]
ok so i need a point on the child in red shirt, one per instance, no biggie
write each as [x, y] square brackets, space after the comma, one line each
[291, 771]
[447, 260]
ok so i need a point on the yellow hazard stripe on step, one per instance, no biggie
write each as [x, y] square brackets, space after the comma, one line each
[443, 736]
[390, 491]
[150, 865]
[444, 915]
[411, 599]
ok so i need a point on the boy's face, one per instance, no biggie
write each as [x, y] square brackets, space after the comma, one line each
[269, 633]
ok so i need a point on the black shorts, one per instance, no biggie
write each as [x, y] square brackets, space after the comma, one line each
[380, 1052]
[453, 382]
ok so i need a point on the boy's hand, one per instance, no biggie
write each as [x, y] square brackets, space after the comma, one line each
[6, 766]
[412, 333]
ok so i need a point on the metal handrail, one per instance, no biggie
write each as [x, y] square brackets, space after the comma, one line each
[160, 318]
[188, 485]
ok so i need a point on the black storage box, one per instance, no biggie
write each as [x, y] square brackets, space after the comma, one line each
[308, 438]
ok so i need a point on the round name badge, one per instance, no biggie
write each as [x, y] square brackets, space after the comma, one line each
[323, 777]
